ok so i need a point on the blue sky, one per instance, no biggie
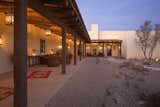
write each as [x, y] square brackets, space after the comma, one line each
[119, 14]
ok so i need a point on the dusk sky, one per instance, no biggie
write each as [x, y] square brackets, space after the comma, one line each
[119, 14]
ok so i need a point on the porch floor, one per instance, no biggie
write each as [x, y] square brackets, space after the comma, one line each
[40, 90]
[84, 85]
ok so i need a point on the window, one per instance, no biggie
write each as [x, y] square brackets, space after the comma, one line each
[42, 46]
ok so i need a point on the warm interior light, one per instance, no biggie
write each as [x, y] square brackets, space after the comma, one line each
[9, 18]
[119, 47]
[69, 40]
[48, 32]
[69, 47]
[1, 41]
[87, 47]
[60, 47]
[34, 52]
[157, 59]
[100, 48]
[51, 51]
[78, 43]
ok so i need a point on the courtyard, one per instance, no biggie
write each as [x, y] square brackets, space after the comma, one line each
[89, 84]
[50, 57]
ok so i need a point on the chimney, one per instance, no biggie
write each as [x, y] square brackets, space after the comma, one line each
[95, 30]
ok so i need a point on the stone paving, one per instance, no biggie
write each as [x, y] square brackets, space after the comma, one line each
[39, 90]
[86, 88]
[84, 85]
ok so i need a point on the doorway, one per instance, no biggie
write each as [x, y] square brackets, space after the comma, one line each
[109, 50]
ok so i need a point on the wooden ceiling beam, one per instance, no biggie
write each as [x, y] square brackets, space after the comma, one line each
[70, 20]
[31, 22]
[6, 3]
[38, 20]
[71, 13]
[56, 3]
[61, 10]
[67, 17]
[40, 24]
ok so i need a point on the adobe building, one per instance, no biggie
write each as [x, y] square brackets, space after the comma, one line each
[115, 44]
[44, 32]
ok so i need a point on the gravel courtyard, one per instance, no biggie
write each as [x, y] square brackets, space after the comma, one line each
[88, 86]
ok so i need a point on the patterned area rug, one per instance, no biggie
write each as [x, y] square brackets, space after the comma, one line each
[40, 74]
[5, 92]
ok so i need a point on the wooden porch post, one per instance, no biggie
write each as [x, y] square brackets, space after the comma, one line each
[83, 49]
[120, 49]
[20, 53]
[63, 51]
[103, 49]
[75, 50]
[80, 44]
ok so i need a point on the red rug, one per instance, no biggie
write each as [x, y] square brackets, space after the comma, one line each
[5, 92]
[40, 74]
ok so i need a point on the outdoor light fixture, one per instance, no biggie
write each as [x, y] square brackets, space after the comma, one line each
[69, 47]
[157, 59]
[78, 43]
[9, 18]
[60, 47]
[100, 48]
[119, 47]
[69, 40]
[87, 47]
[48, 32]
[52, 51]
[1, 42]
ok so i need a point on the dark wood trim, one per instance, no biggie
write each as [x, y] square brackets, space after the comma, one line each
[75, 49]
[80, 46]
[64, 51]
[20, 53]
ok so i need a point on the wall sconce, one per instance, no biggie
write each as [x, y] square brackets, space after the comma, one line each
[119, 47]
[9, 18]
[1, 41]
[69, 47]
[60, 47]
[100, 48]
[87, 47]
[48, 32]
[51, 51]
[69, 40]
[78, 42]
[157, 59]
[34, 52]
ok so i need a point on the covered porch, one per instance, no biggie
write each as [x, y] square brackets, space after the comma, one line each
[105, 48]
[39, 35]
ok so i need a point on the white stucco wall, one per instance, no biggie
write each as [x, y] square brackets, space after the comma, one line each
[34, 35]
[6, 50]
[129, 47]
[94, 32]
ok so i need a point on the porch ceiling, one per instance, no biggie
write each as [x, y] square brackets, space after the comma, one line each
[51, 14]
[106, 41]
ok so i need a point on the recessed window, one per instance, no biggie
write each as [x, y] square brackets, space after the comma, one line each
[42, 46]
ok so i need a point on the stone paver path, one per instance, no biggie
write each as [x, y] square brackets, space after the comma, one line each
[86, 88]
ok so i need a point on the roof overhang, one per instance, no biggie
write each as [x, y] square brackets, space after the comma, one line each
[64, 13]
[106, 41]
